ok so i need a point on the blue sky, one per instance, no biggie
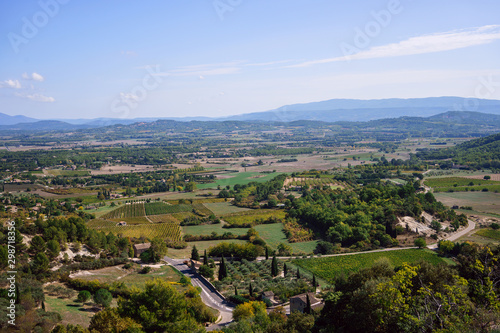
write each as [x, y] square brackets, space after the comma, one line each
[177, 58]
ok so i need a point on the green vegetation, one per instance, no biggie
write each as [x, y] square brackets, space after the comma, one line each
[329, 268]
[127, 210]
[489, 233]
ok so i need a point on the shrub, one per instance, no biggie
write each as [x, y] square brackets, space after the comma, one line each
[145, 270]
[103, 298]
[83, 296]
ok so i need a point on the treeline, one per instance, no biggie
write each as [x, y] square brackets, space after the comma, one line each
[365, 216]
[475, 154]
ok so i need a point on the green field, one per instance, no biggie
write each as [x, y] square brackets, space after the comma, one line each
[157, 208]
[207, 229]
[489, 233]
[241, 178]
[71, 311]
[329, 267]
[487, 202]
[132, 220]
[251, 216]
[304, 247]
[273, 235]
[459, 184]
[130, 210]
[223, 208]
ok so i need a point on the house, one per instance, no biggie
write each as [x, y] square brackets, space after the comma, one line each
[299, 302]
[140, 248]
[270, 296]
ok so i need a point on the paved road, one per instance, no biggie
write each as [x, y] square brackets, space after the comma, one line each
[208, 295]
[457, 235]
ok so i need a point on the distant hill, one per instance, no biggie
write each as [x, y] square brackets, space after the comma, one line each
[361, 110]
[43, 125]
[5, 119]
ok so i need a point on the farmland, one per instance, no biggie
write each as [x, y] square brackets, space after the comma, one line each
[152, 230]
[128, 210]
[252, 217]
[158, 208]
[480, 201]
[489, 233]
[224, 208]
[329, 267]
[461, 184]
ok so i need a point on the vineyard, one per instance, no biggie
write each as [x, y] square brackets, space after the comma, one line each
[163, 218]
[128, 210]
[330, 267]
[459, 184]
[159, 208]
[200, 209]
[151, 230]
[312, 182]
[254, 217]
[489, 233]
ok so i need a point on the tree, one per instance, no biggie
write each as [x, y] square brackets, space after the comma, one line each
[40, 264]
[420, 242]
[103, 298]
[156, 252]
[161, 308]
[436, 225]
[249, 310]
[236, 290]
[110, 321]
[190, 187]
[53, 249]
[206, 271]
[487, 177]
[274, 267]
[250, 289]
[84, 296]
[37, 245]
[194, 253]
[284, 249]
[267, 253]
[4, 257]
[222, 269]
[285, 269]
[205, 258]
[308, 305]
[298, 273]
[315, 284]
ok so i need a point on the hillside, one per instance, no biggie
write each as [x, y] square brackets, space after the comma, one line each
[478, 153]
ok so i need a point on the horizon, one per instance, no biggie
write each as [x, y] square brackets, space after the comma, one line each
[163, 60]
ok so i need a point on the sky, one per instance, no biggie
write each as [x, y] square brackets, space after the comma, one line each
[186, 58]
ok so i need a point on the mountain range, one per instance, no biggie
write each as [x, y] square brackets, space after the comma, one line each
[333, 110]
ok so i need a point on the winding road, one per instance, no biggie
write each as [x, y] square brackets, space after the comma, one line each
[213, 299]
[209, 295]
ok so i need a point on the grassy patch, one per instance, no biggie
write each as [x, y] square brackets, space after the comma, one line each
[253, 217]
[272, 234]
[489, 233]
[304, 247]
[240, 178]
[329, 267]
[71, 311]
[223, 208]
[487, 202]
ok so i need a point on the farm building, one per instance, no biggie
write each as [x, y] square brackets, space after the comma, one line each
[270, 296]
[299, 302]
[140, 248]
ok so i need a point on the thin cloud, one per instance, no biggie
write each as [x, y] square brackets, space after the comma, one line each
[37, 98]
[33, 76]
[205, 70]
[15, 84]
[431, 43]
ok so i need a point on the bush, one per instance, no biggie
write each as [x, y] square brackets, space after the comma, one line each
[84, 296]
[103, 298]
[238, 299]
[145, 270]
[495, 226]
[206, 271]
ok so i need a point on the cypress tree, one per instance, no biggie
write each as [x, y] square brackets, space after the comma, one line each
[308, 305]
[235, 291]
[205, 258]
[194, 253]
[298, 273]
[285, 270]
[274, 267]
[222, 270]
[267, 253]
[314, 281]
[250, 290]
